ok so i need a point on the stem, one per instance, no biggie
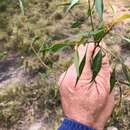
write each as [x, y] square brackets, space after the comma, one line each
[122, 82]
[91, 18]
[120, 101]
[39, 57]
[92, 25]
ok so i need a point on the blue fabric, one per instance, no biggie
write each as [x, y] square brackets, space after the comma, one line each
[69, 124]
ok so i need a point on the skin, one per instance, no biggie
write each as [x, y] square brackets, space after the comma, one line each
[89, 103]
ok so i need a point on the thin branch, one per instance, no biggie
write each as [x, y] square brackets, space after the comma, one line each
[39, 57]
[91, 18]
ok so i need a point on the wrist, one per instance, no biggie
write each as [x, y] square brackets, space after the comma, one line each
[83, 120]
[69, 124]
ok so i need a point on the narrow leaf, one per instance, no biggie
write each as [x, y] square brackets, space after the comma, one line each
[21, 6]
[126, 39]
[99, 8]
[96, 64]
[35, 39]
[113, 79]
[98, 37]
[76, 24]
[92, 33]
[126, 72]
[72, 4]
[81, 67]
[56, 47]
[120, 19]
[76, 62]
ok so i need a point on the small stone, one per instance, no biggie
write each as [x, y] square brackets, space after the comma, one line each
[112, 128]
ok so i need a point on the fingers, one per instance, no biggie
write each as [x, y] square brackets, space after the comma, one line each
[61, 78]
[106, 112]
[108, 108]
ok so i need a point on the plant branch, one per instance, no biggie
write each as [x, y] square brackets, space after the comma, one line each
[91, 18]
[39, 57]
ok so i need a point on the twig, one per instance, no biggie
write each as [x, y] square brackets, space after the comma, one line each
[91, 18]
[39, 57]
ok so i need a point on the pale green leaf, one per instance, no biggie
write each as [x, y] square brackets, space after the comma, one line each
[72, 4]
[21, 6]
[99, 8]
[81, 67]
[92, 33]
[56, 47]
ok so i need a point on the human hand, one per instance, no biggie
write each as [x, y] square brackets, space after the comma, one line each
[88, 102]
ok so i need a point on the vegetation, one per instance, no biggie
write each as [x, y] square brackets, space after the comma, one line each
[44, 35]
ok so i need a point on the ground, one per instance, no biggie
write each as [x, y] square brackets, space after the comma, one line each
[29, 98]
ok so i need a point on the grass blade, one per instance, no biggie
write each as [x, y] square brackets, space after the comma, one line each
[72, 4]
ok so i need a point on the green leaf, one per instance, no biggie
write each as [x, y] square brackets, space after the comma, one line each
[126, 39]
[76, 24]
[72, 4]
[56, 47]
[92, 33]
[76, 62]
[98, 37]
[99, 8]
[3, 55]
[96, 64]
[35, 39]
[126, 72]
[81, 67]
[113, 79]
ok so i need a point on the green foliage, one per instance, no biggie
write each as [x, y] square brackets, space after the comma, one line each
[97, 34]
[113, 79]
[97, 64]
[56, 47]
[3, 55]
[81, 67]
[99, 8]
[76, 24]
[92, 33]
